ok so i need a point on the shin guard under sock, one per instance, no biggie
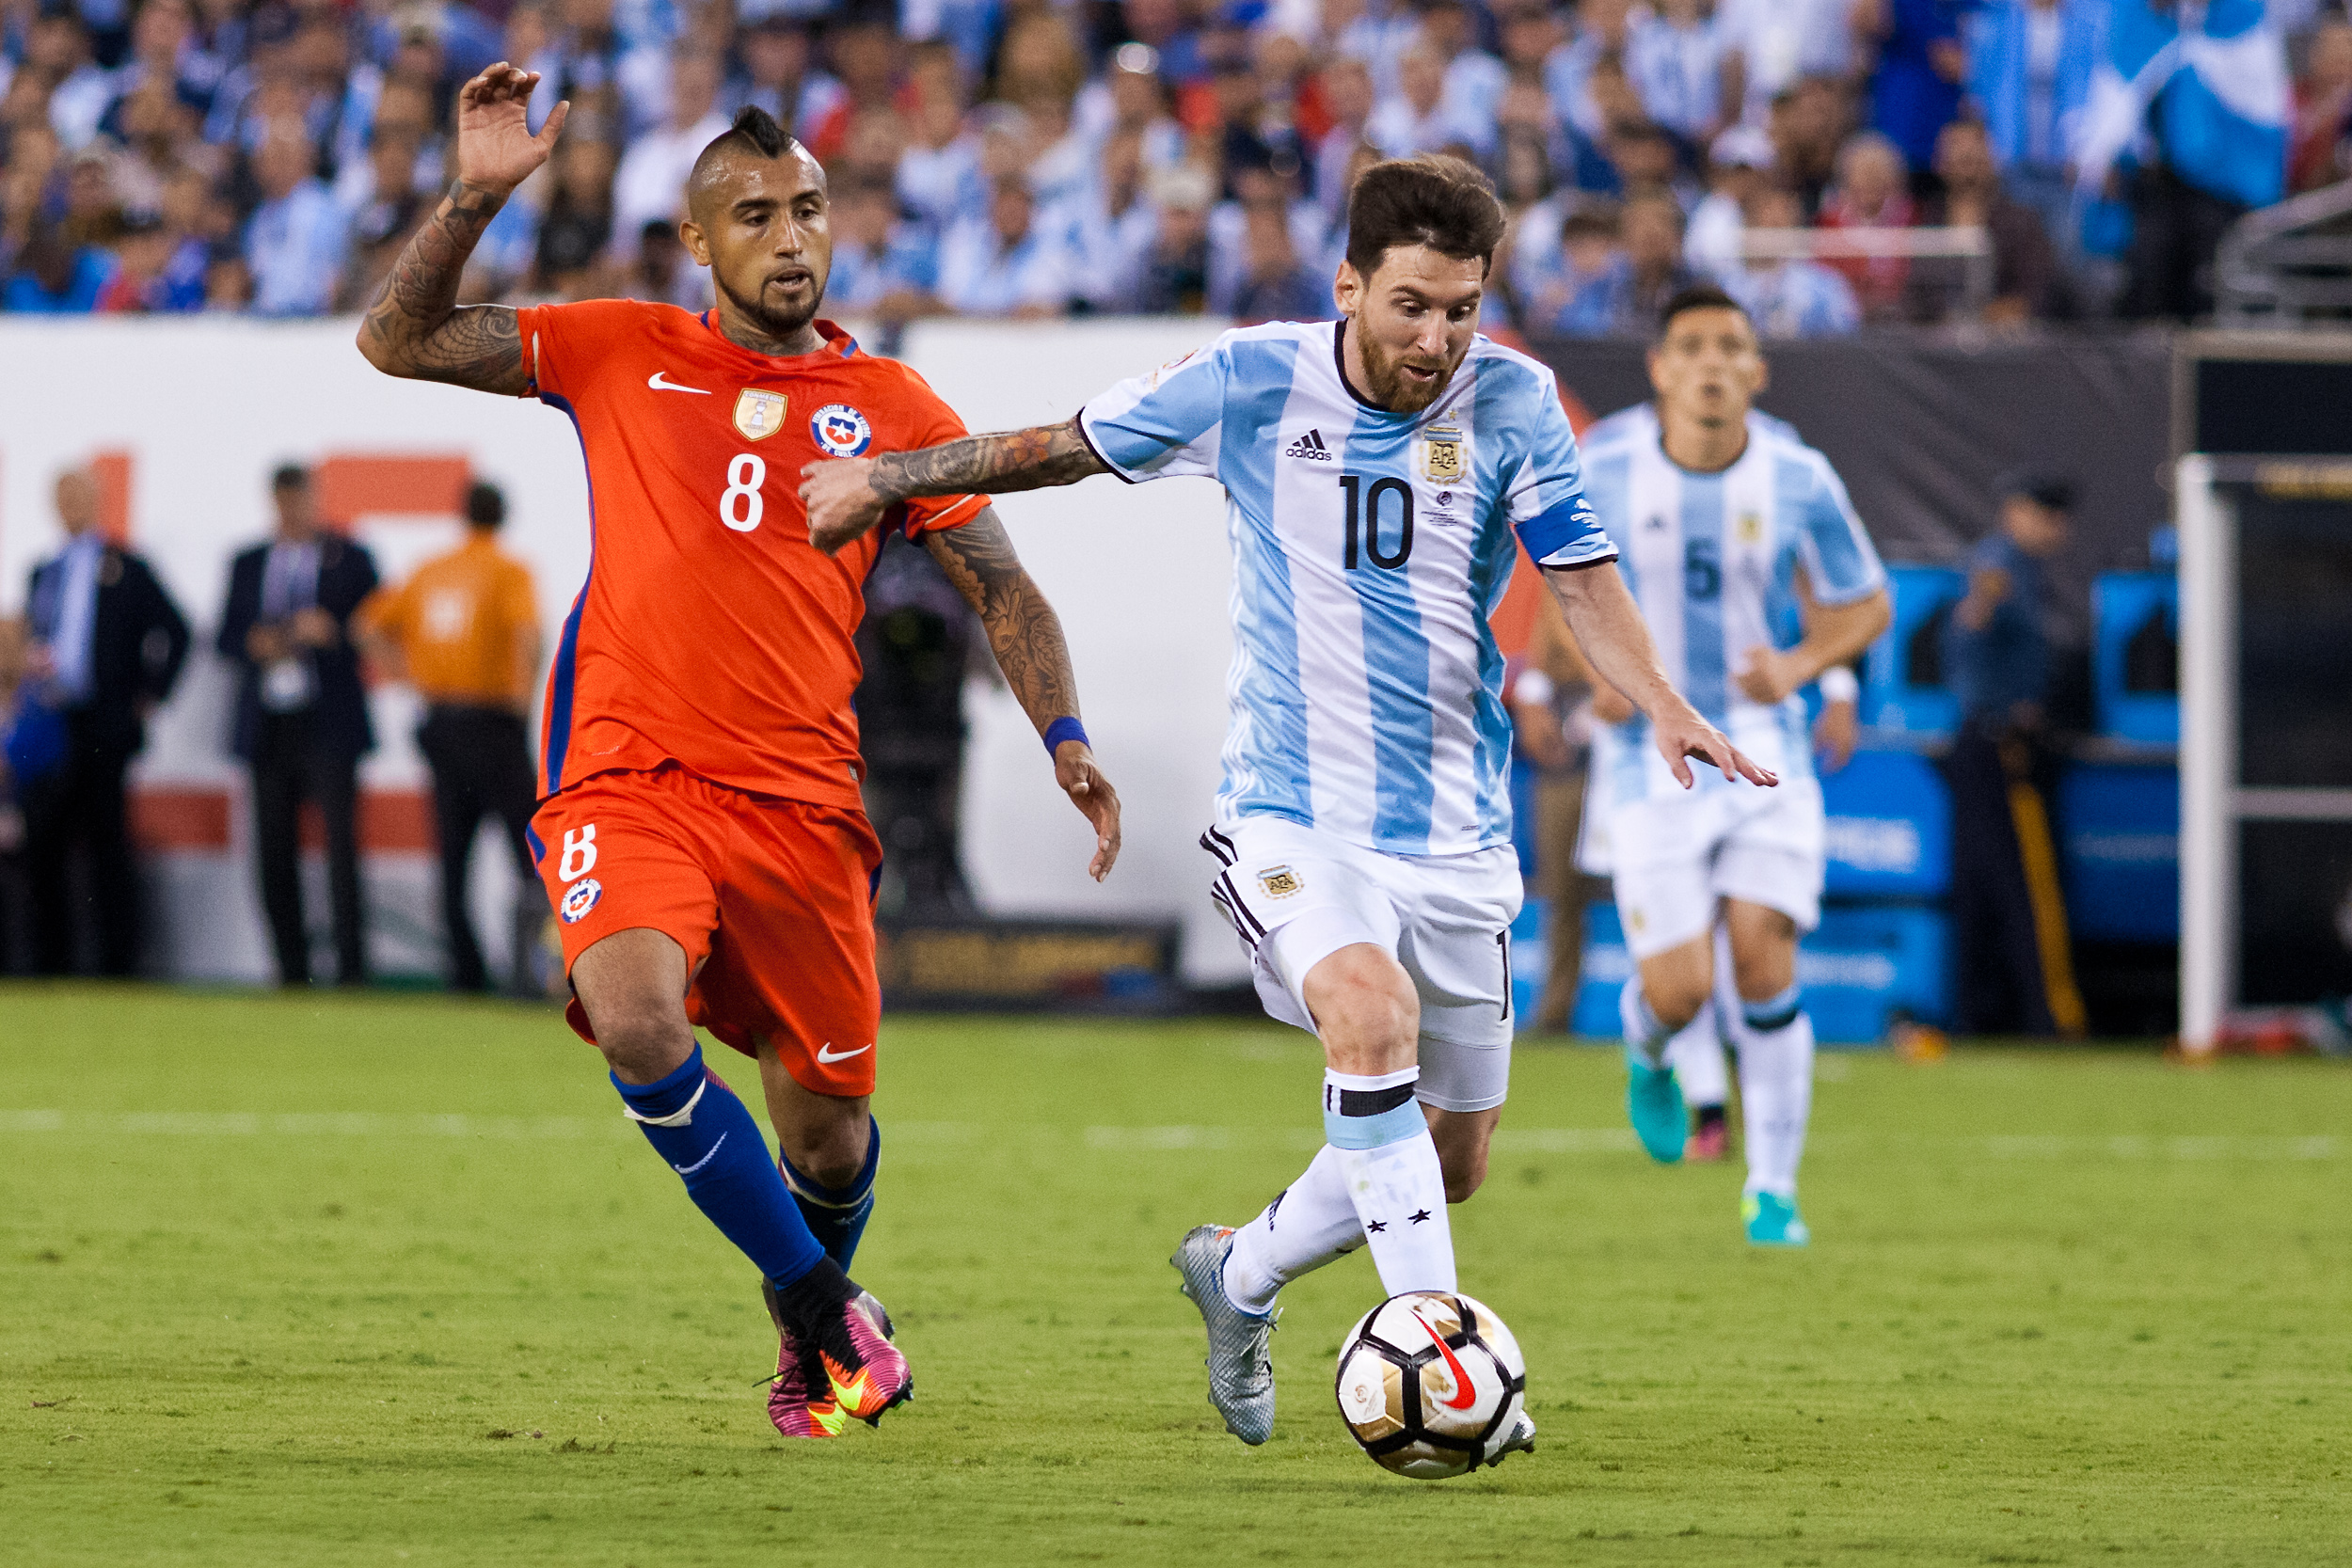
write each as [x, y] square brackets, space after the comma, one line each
[836, 1216]
[703, 1132]
[1384, 1151]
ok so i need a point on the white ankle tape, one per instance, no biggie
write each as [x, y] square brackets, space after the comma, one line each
[683, 1117]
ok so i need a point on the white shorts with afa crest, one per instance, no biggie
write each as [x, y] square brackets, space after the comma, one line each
[1297, 896]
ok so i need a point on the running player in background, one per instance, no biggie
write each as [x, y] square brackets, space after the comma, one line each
[701, 836]
[1375, 469]
[1697, 1051]
[1734, 536]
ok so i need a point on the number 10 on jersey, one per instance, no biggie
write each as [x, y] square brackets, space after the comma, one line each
[1364, 520]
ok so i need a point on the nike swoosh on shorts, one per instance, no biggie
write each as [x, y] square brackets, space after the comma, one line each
[827, 1054]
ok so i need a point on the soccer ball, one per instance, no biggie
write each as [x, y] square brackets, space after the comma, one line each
[1431, 1384]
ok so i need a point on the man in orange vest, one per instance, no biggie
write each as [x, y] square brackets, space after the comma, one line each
[464, 631]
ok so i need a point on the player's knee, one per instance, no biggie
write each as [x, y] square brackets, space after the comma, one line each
[1765, 971]
[1366, 1009]
[1675, 1003]
[644, 1040]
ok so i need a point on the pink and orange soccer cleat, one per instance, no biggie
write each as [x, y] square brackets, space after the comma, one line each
[863, 1372]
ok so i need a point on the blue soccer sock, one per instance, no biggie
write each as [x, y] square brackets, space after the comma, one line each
[836, 1216]
[695, 1123]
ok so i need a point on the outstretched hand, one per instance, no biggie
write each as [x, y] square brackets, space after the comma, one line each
[842, 505]
[496, 150]
[1686, 735]
[1092, 794]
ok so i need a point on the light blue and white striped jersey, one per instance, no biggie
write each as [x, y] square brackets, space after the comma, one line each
[1368, 550]
[1712, 560]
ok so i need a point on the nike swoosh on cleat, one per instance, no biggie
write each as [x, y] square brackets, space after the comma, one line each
[1464, 1396]
[689, 1170]
[658, 384]
[825, 1053]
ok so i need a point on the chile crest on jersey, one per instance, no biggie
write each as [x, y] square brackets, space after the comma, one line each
[841, 430]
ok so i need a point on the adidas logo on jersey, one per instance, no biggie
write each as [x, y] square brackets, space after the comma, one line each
[1310, 447]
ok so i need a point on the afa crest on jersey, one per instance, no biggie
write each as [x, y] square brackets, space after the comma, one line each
[1443, 454]
[841, 430]
[580, 898]
[760, 415]
[1280, 881]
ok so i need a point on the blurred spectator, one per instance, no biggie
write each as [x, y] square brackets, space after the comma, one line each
[1276, 281]
[1039, 72]
[649, 185]
[2027, 281]
[57, 48]
[1646, 161]
[2322, 149]
[577, 228]
[779, 73]
[106, 649]
[1004, 264]
[1106, 228]
[1873, 192]
[1418, 118]
[1807, 126]
[664, 271]
[1347, 97]
[294, 243]
[1795, 298]
[464, 631]
[869, 256]
[1565, 297]
[2030, 67]
[1673, 57]
[1604, 30]
[1915, 90]
[1740, 164]
[55, 276]
[1475, 79]
[863, 52]
[939, 174]
[1175, 276]
[1625, 299]
[1260, 197]
[1770, 45]
[2007, 915]
[301, 718]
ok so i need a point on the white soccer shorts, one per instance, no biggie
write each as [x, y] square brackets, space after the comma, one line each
[1676, 856]
[1297, 896]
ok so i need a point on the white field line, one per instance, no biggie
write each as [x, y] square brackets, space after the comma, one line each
[1133, 1140]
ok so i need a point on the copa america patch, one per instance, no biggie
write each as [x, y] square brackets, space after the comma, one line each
[841, 430]
[579, 899]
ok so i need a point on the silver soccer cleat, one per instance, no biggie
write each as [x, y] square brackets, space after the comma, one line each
[1241, 1373]
[1522, 1440]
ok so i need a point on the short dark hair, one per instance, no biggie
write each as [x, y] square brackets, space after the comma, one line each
[1698, 296]
[290, 476]
[2045, 487]
[486, 505]
[1432, 200]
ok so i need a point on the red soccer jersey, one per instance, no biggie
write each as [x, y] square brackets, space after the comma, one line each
[710, 632]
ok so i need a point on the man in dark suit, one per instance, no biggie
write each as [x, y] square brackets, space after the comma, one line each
[108, 646]
[302, 717]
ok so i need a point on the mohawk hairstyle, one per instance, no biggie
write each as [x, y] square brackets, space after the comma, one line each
[754, 130]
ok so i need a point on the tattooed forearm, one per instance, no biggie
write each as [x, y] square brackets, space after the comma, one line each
[414, 327]
[1016, 460]
[1022, 629]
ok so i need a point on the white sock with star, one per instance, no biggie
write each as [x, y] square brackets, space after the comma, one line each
[1696, 1054]
[1309, 1223]
[1389, 1161]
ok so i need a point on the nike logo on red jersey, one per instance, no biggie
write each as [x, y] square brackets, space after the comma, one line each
[658, 384]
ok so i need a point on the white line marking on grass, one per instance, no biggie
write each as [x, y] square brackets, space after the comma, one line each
[31, 1121]
[312, 1124]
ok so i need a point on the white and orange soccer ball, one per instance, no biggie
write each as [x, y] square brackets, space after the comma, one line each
[1431, 1384]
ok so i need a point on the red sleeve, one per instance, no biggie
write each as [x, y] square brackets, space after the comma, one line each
[927, 421]
[562, 343]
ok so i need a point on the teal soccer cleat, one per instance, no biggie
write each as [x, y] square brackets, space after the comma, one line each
[1773, 1221]
[1653, 1101]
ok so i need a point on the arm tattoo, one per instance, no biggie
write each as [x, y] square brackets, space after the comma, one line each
[415, 329]
[1033, 459]
[1022, 629]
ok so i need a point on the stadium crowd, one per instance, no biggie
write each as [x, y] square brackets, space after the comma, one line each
[1036, 158]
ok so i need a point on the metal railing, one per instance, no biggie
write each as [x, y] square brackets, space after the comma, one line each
[2289, 264]
[1971, 246]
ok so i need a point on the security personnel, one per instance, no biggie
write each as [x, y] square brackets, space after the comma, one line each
[464, 632]
[2009, 916]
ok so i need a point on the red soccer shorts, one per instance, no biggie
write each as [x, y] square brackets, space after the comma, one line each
[772, 899]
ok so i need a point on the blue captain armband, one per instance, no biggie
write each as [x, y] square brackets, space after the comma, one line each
[1065, 729]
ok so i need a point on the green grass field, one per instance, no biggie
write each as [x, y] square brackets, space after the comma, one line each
[383, 1280]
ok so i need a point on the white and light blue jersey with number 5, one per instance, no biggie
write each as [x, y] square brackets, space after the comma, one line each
[1368, 550]
[1712, 560]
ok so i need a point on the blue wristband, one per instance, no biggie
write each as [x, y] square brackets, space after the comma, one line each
[1064, 729]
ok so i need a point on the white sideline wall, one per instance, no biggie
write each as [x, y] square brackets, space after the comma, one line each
[204, 408]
